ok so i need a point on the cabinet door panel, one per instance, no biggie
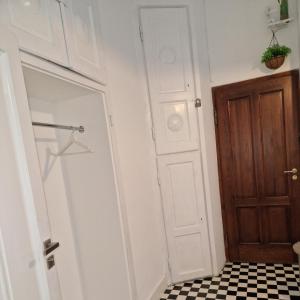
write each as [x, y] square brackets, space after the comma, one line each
[84, 41]
[38, 27]
[184, 210]
[169, 62]
[23, 217]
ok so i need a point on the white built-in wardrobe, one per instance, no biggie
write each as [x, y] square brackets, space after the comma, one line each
[55, 193]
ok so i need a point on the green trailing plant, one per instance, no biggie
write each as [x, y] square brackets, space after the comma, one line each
[275, 51]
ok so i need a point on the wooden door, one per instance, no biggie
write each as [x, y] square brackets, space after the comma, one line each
[38, 27]
[84, 39]
[258, 148]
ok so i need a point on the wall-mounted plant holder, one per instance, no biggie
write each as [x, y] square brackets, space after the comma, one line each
[275, 26]
[278, 15]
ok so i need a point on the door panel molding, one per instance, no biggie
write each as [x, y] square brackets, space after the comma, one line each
[84, 38]
[185, 213]
[171, 80]
[23, 254]
[38, 27]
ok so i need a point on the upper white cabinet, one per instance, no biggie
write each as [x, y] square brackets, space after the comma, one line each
[169, 61]
[38, 27]
[83, 35]
[66, 32]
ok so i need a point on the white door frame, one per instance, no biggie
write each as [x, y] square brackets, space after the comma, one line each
[21, 119]
[14, 105]
[197, 16]
[56, 71]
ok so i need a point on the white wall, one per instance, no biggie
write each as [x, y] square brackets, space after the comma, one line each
[132, 125]
[238, 35]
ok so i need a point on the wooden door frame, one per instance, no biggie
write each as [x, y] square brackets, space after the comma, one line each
[295, 77]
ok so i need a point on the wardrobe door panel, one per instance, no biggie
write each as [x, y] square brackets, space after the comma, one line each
[169, 61]
[184, 210]
[38, 27]
[84, 39]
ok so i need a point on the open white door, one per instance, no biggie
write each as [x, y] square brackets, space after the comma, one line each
[23, 271]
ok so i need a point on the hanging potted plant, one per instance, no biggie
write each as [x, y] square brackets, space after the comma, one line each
[274, 56]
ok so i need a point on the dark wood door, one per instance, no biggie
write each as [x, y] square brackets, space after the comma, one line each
[258, 147]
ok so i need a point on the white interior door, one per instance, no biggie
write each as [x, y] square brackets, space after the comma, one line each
[185, 215]
[23, 273]
[58, 210]
[83, 35]
[168, 54]
[38, 27]
[170, 66]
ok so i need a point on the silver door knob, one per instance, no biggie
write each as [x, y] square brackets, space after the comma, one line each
[293, 171]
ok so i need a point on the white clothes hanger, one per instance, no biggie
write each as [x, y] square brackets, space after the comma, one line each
[73, 141]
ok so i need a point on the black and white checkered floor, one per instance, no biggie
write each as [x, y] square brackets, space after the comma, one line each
[242, 281]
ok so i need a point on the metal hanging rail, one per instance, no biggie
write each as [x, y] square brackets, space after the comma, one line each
[65, 127]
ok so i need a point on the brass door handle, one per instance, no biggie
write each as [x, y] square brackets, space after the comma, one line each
[293, 171]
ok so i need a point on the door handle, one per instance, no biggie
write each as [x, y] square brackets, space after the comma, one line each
[50, 246]
[293, 171]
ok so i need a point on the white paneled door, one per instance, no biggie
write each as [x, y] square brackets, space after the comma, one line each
[185, 215]
[169, 53]
[23, 272]
[28, 271]
[38, 26]
[169, 63]
[84, 39]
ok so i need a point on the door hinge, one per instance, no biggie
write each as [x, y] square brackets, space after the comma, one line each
[141, 33]
[169, 267]
[153, 133]
[158, 180]
[111, 123]
[198, 102]
[216, 117]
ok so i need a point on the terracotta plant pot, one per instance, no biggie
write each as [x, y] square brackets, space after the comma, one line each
[275, 62]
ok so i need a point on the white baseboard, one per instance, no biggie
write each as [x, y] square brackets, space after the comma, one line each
[159, 289]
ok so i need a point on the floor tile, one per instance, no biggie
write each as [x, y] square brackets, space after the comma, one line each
[239, 281]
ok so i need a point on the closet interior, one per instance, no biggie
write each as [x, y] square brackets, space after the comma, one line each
[76, 167]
